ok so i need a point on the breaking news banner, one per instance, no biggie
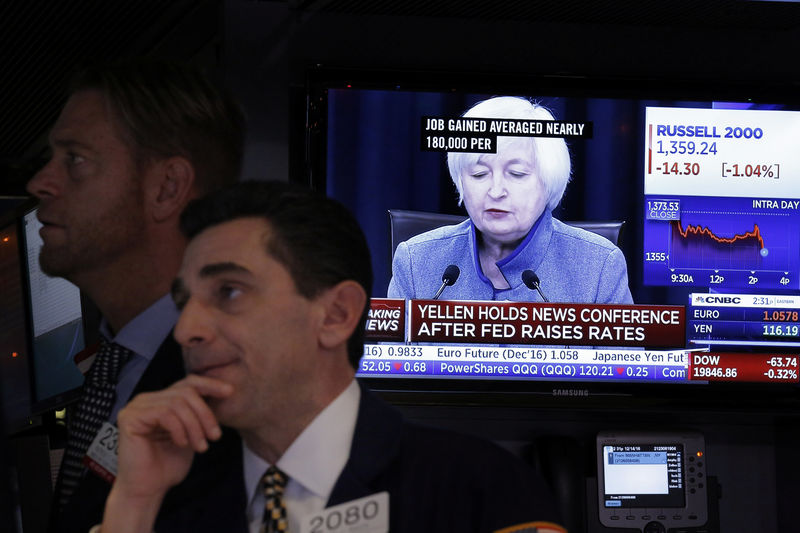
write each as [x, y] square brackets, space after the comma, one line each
[523, 340]
[533, 323]
[479, 135]
[386, 320]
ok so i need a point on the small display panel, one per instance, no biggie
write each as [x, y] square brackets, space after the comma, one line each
[56, 323]
[644, 475]
[647, 476]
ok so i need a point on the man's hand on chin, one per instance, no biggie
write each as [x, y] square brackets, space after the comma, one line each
[159, 433]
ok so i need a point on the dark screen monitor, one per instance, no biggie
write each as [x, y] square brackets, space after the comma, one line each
[57, 326]
[14, 353]
[43, 325]
[706, 183]
[14, 378]
[10, 518]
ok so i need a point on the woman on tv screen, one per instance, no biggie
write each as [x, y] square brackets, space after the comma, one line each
[509, 196]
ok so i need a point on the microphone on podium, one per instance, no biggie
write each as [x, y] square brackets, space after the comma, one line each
[531, 280]
[449, 277]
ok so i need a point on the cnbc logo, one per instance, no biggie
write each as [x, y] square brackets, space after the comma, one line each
[717, 299]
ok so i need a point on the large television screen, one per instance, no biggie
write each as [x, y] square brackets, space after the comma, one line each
[522, 288]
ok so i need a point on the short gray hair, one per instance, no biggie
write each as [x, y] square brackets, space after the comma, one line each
[551, 159]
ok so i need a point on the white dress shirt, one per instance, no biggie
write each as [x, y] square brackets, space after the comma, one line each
[313, 462]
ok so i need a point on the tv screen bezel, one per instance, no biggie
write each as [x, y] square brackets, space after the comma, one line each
[309, 149]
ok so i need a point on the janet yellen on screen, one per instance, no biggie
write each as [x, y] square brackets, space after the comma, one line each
[509, 197]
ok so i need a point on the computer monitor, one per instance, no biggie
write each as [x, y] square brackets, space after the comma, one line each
[57, 326]
[10, 518]
[15, 385]
[43, 324]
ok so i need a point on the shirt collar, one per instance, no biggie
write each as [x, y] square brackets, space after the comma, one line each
[144, 334]
[318, 455]
[528, 255]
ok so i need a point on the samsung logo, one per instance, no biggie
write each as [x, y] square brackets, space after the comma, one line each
[570, 392]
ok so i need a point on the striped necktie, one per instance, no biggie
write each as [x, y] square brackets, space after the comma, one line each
[93, 408]
[273, 482]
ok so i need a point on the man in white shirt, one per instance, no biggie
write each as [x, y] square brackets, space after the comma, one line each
[273, 293]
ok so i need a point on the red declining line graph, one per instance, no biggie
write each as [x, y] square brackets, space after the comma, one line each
[705, 231]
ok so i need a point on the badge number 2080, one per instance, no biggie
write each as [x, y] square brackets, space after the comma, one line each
[365, 515]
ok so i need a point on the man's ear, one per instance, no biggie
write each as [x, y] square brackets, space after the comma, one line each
[343, 305]
[171, 186]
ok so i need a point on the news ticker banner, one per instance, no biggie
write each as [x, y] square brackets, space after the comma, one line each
[479, 135]
[722, 152]
[507, 362]
[744, 319]
[512, 362]
[515, 362]
[389, 354]
[531, 323]
[743, 367]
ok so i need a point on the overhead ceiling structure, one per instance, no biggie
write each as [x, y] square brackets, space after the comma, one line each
[43, 42]
[728, 14]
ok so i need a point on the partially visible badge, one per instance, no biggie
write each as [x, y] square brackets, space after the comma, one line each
[364, 515]
[101, 457]
[84, 359]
